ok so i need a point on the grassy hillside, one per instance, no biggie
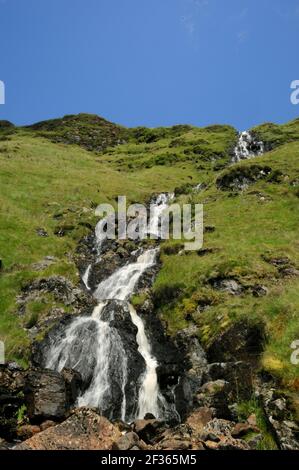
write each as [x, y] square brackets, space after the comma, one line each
[49, 183]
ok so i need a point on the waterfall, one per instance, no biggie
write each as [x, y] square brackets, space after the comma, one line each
[93, 346]
[247, 147]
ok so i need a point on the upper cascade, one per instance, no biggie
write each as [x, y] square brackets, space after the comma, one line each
[247, 147]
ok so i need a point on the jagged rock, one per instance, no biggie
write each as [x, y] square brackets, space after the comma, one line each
[45, 394]
[126, 442]
[83, 430]
[241, 341]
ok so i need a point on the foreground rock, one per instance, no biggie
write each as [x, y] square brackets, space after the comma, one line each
[83, 430]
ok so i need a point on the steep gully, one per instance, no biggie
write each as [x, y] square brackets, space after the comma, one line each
[111, 347]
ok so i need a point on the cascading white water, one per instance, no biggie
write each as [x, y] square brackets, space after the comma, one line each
[85, 276]
[247, 147]
[120, 285]
[149, 394]
[91, 345]
[158, 206]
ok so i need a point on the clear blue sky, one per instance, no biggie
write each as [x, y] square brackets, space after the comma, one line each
[150, 62]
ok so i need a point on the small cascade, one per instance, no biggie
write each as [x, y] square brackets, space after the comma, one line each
[247, 147]
[149, 394]
[85, 276]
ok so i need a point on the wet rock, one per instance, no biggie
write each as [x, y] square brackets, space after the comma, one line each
[242, 341]
[83, 430]
[45, 394]
[126, 442]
